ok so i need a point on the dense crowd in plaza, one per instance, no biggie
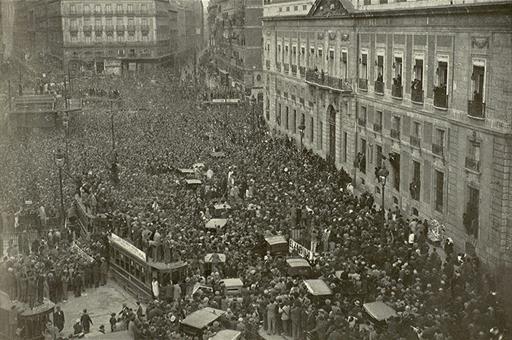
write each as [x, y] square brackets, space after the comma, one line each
[271, 187]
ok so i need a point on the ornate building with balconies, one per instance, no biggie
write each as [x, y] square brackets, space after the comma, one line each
[102, 36]
[235, 42]
[418, 87]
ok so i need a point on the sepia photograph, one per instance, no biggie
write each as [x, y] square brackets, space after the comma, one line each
[256, 169]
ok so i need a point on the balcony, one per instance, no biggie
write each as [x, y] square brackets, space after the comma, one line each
[361, 121]
[379, 87]
[397, 91]
[294, 70]
[417, 95]
[476, 109]
[395, 134]
[437, 149]
[286, 68]
[302, 71]
[87, 28]
[377, 127]
[324, 81]
[363, 84]
[131, 28]
[414, 141]
[267, 64]
[472, 164]
[440, 98]
[144, 28]
[278, 66]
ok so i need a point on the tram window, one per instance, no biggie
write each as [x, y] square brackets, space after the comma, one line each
[166, 277]
[142, 275]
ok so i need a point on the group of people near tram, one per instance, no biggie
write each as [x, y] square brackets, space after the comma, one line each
[362, 254]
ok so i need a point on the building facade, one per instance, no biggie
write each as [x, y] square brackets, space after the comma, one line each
[419, 88]
[235, 41]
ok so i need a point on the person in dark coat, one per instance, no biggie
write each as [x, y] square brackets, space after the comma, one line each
[86, 321]
[58, 318]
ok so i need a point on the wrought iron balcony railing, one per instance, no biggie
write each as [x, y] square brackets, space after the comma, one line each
[476, 109]
[325, 81]
[363, 84]
[440, 97]
[397, 90]
[379, 87]
[417, 95]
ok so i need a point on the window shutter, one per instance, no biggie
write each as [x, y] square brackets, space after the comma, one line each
[387, 120]
[426, 185]
[427, 134]
[406, 126]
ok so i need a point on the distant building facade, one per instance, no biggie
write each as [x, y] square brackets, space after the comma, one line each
[376, 84]
[235, 41]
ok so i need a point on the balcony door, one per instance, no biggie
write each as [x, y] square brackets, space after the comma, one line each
[331, 151]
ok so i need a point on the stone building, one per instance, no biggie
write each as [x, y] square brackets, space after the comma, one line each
[100, 35]
[235, 41]
[421, 88]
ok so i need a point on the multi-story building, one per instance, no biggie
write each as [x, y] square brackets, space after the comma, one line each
[103, 36]
[189, 30]
[235, 41]
[420, 88]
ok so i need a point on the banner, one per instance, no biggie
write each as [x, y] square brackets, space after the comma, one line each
[304, 252]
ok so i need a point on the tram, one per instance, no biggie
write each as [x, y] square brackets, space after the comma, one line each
[132, 270]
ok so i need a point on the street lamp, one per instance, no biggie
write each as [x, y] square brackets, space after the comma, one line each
[59, 161]
[383, 174]
[302, 127]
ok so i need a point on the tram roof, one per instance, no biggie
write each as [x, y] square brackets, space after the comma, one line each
[227, 334]
[317, 287]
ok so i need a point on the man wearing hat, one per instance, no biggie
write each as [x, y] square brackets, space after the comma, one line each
[86, 321]
[58, 318]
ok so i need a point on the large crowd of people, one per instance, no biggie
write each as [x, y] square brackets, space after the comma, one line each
[272, 188]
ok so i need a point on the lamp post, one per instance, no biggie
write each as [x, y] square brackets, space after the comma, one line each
[302, 127]
[59, 161]
[383, 174]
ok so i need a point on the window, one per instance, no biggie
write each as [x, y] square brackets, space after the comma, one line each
[278, 48]
[478, 81]
[321, 135]
[312, 130]
[379, 156]
[345, 141]
[397, 67]
[312, 51]
[87, 10]
[379, 118]
[294, 122]
[395, 127]
[108, 9]
[295, 8]
[362, 156]
[320, 53]
[344, 64]
[97, 9]
[473, 155]
[143, 8]
[331, 55]
[363, 116]
[287, 116]
[364, 65]
[119, 9]
[72, 9]
[278, 116]
[418, 70]
[286, 49]
[439, 191]
[415, 185]
[280, 9]
[302, 51]
[439, 138]
[472, 211]
[294, 50]
[304, 7]
[380, 67]
[287, 8]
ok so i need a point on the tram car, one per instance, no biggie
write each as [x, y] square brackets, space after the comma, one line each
[131, 269]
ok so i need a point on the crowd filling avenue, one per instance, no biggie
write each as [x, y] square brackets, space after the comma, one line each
[161, 199]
